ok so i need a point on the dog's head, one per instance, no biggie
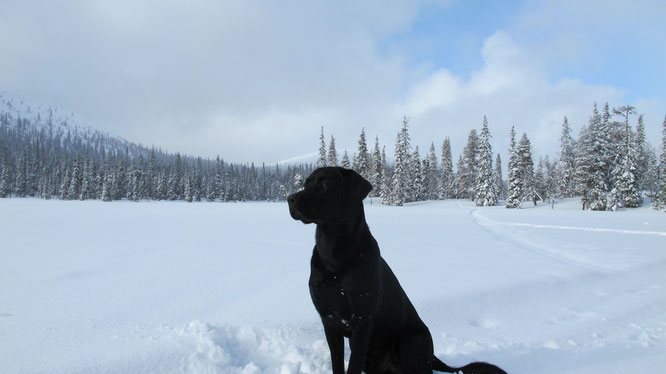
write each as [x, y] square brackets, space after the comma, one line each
[328, 194]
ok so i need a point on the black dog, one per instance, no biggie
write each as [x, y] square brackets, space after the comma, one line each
[355, 291]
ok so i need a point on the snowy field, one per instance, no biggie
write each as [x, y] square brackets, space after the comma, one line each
[171, 287]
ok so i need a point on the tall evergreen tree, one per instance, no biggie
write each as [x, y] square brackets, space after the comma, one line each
[321, 161]
[515, 188]
[362, 160]
[417, 178]
[591, 164]
[567, 162]
[468, 173]
[332, 153]
[400, 184]
[377, 170]
[498, 177]
[526, 166]
[446, 179]
[485, 186]
[346, 163]
[659, 200]
[642, 156]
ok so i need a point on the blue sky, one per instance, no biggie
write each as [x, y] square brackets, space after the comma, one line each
[254, 80]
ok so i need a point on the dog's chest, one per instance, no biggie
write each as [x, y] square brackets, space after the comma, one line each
[331, 300]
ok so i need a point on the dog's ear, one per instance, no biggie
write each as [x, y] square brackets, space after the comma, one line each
[356, 188]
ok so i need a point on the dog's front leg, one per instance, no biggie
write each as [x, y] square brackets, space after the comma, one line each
[336, 344]
[359, 342]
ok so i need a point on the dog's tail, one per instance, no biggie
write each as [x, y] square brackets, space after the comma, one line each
[473, 368]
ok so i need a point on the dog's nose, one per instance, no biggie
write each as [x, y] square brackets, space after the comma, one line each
[291, 199]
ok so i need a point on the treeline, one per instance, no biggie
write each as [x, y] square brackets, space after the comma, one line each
[50, 159]
[610, 166]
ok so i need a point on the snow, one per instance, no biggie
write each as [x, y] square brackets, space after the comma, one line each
[173, 287]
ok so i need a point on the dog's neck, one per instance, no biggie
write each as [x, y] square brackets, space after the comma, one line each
[336, 237]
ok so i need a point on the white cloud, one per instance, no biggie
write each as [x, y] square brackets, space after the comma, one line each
[511, 90]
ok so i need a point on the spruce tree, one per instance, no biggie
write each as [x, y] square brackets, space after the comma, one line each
[362, 159]
[659, 200]
[591, 164]
[377, 170]
[346, 163]
[417, 180]
[431, 174]
[400, 184]
[321, 161]
[470, 157]
[642, 156]
[526, 165]
[514, 181]
[332, 153]
[498, 177]
[446, 179]
[567, 162]
[485, 186]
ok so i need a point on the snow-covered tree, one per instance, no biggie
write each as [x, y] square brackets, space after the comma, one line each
[430, 174]
[567, 162]
[467, 175]
[362, 160]
[591, 164]
[298, 182]
[526, 166]
[376, 170]
[400, 184]
[515, 188]
[485, 186]
[642, 156]
[446, 179]
[498, 177]
[417, 180]
[346, 163]
[332, 153]
[321, 161]
[659, 200]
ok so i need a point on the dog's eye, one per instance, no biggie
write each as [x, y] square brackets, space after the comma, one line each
[325, 185]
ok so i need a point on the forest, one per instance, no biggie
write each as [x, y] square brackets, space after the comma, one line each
[610, 166]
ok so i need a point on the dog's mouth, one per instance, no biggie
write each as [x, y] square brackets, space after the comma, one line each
[295, 214]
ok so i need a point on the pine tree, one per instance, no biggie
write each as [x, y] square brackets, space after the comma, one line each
[417, 180]
[446, 179]
[515, 188]
[659, 201]
[459, 183]
[642, 156]
[526, 166]
[540, 187]
[498, 177]
[377, 170]
[567, 161]
[345, 161]
[362, 160]
[431, 173]
[332, 153]
[485, 186]
[400, 184]
[467, 174]
[591, 165]
[321, 161]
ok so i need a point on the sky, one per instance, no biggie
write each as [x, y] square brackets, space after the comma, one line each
[255, 80]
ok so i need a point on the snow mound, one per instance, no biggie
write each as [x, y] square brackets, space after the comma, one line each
[254, 349]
